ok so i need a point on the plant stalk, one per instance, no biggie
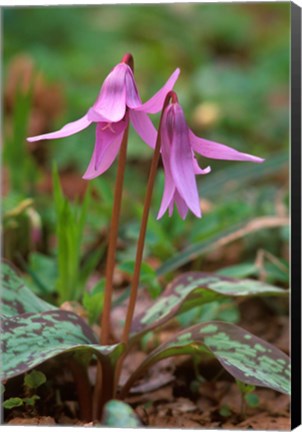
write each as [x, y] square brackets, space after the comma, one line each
[113, 233]
[83, 388]
[141, 240]
[107, 392]
[105, 317]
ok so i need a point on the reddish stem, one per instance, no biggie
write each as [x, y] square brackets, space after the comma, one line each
[83, 388]
[141, 239]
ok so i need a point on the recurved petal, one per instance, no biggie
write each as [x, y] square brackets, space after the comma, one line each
[105, 151]
[214, 150]
[181, 162]
[111, 102]
[155, 104]
[67, 130]
[144, 127]
[198, 170]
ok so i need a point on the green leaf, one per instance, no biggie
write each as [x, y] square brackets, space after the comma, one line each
[252, 400]
[119, 414]
[93, 302]
[200, 248]
[225, 411]
[43, 272]
[245, 388]
[30, 339]
[193, 289]
[148, 276]
[246, 357]
[21, 179]
[240, 270]
[70, 220]
[31, 401]
[34, 379]
[16, 297]
[12, 403]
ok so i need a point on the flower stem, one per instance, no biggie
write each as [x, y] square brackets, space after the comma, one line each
[101, 380]
[105, 317]
[83, 389]
[141, 240]
[113, 233]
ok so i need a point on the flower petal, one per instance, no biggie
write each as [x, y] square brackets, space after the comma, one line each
[144, 127]
[95, 117]
[171, 208]
[67, 130]
[111, 102]
[168, 194]
[155, 104]
[214, 150]
[104, 153]
[169, 188]
[133, 99]
[181, 161]
[181, 205]
[105, 135]
[198, 170]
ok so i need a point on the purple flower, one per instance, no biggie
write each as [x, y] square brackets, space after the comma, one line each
[178, 144]
[117, 103]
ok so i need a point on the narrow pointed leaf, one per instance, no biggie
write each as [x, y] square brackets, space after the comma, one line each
[30, 339]
[246, 357]
[16, 297]
[193, 289]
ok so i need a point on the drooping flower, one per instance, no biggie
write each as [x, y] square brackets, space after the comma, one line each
[118, 103]
[178, 144]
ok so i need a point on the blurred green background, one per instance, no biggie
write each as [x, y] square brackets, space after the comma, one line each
[234, 88]
[234, 61]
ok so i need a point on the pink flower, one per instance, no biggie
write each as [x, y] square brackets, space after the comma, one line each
[178, 144]
[117, 103]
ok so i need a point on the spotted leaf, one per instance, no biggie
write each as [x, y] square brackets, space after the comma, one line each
[32, 338]
[16, 297]
[194, 289]
[246, 357]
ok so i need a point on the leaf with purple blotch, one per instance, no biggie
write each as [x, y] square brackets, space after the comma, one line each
[16, 297]
[32, 338]
[246, 357]
[194, 289]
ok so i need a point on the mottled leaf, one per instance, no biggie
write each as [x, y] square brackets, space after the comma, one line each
[246, 357]
[193, 289]
[119, 414]
[30, 339]
[16, 297]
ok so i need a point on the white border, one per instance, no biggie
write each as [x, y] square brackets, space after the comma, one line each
[24, 3]
[98, 2]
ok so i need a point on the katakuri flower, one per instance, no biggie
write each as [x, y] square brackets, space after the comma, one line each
[117, 103]
[178, 144]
